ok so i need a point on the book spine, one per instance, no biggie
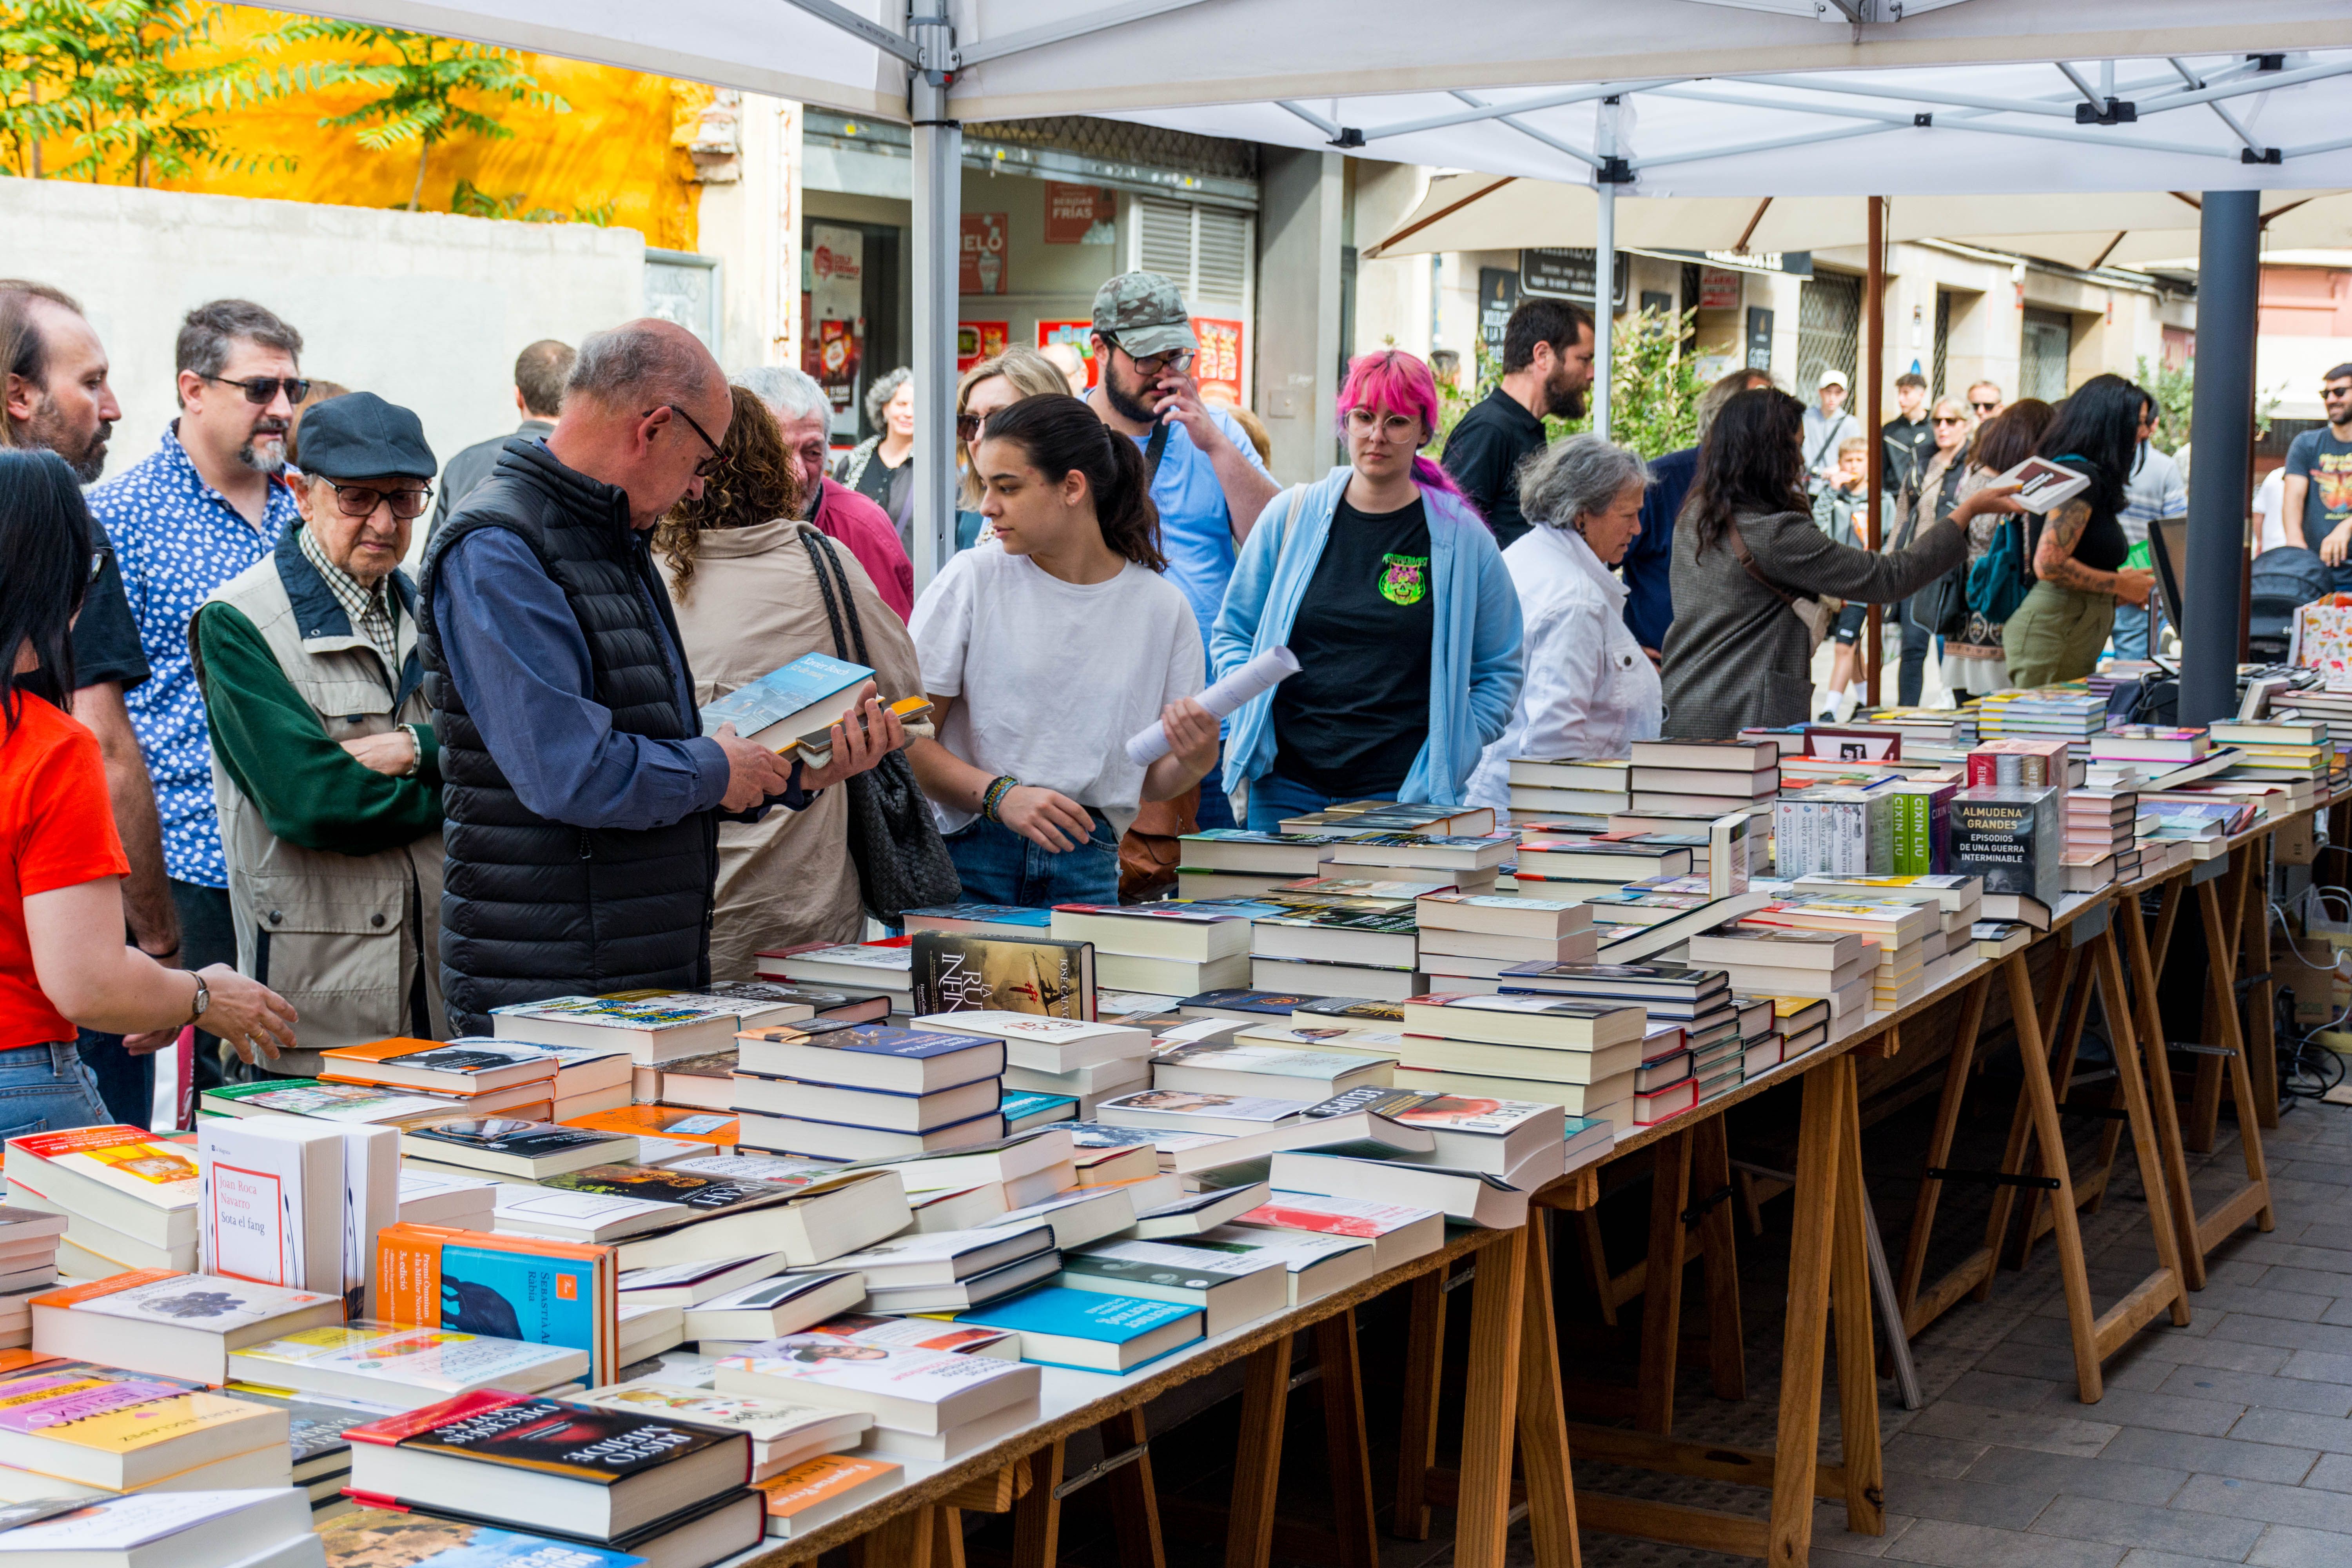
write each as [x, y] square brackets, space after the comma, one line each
[1984, 769]
[1878, 823]
[1910, 835]
[408, 1276]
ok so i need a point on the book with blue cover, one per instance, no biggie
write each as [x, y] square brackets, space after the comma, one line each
[1088, 1330]
[809, 693]
[1024, 1108]
[871, 1057]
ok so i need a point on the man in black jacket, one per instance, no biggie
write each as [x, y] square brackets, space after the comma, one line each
[583, 798]
[1547, 365]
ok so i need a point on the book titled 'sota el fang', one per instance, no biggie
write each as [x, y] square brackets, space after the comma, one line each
[954, 973]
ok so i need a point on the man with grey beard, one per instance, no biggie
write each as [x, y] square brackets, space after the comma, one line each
[200, 509]
[55, 396]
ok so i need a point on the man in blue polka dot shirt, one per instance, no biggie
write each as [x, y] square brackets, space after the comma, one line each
[204, 506]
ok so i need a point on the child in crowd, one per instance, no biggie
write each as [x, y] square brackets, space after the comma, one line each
[1042, 650]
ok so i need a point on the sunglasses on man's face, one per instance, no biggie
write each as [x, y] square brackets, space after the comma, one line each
[1949, 420]
[262, 390]
[361, 500]
[1983, 408]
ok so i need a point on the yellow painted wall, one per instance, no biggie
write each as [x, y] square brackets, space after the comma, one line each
[614, 145]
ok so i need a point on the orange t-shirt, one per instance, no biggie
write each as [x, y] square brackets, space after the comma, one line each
[57, 826]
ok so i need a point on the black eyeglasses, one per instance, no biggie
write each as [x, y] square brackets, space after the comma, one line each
[1950, 419]
[263, 390]
[1983, 408]
[98, 559]
[1178, 360]
[361, 500]
[701, 469]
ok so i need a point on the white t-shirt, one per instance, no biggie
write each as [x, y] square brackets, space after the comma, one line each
[1051, 677]
[2270, 501]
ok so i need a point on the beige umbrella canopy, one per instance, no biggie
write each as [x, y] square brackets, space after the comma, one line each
[1485, 212]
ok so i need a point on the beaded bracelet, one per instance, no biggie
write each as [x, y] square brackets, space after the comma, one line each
[992, 799]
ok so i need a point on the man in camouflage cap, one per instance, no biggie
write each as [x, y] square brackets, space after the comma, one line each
[1206, 478]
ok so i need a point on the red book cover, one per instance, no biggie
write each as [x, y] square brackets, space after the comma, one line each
[394, 1429]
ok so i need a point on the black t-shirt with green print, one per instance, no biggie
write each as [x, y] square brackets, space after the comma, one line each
[1349, 723]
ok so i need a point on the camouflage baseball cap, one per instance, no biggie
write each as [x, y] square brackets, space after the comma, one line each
[1145, 311]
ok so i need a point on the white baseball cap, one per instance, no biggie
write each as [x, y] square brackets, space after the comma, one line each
[1832, 378]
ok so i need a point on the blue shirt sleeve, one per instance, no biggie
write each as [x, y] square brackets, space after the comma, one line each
[517, 656]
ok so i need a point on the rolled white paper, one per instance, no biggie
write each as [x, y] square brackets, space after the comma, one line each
[1260, 674]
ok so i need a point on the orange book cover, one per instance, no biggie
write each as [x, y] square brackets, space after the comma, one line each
[508, 1286]
[680, 1122]
[92, 1290]
[812, 1481]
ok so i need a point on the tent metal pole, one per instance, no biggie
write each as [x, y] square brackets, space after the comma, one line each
[1874, 372]
[1604, 291]
[2220, 425]
[937, 239]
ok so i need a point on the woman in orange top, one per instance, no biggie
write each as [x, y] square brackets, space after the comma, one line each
[63, 960]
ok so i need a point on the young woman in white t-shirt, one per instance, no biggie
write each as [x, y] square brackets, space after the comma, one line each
[1042, 650]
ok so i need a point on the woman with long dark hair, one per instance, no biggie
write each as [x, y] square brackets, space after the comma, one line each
[741, 569]
[2078, 548]
[63, 960]
[1747, 554]
[1973, 664]
[1387, 586]
[1042, 650]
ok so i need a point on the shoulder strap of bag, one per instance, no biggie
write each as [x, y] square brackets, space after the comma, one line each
[827, 564]
[1747, 565]
[1153, 450]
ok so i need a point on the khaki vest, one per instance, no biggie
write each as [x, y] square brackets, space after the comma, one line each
[342, 937]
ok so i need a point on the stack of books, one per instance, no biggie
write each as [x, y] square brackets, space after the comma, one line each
[1565, 788]
[2010, 837]
[1472, 937]
[1833, 829]
[783, 1433]
[866, 1091]
[394, 1366]
[856, 971]
[978, 920]
[1704, 778]
[1046, 976]
[2072, 713]
[509, 1152]
[1171, 948]
[174, 1325]
[1266, 1070]
[1580, 1055]
[1341, 936]
[1235, 863]
[1804, 1023]
[591, 1475]
[2028, 763]
[477, 1077]
[2150, 748]
[94, 1428]
[1577, 870]
[1394, 817]
[1471, 864]
[925, 1404]
[2298, 756]
[812, 1494]
[1060, 1058]
[2100, 824]
[1834, 967]
[29, 1265]
[128, 1198]
[1958, 901]
[1929, 734]
[1908, 937]
[296, 1201]
[653, 1029]
[248, 1528]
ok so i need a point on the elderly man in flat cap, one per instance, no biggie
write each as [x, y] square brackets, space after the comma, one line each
[324, 761]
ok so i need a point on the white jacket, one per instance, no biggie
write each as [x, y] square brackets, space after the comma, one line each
[1591, 691]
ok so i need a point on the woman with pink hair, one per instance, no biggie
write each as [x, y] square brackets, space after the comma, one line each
[1387, 585]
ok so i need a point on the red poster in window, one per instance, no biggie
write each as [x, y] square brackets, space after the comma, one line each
[977, 340]
[1719, 288]
[1072, 211]
[1219, 367]
[986, 238]
[1079, 335]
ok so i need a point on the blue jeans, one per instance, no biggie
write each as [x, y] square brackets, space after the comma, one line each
[997, 866]
[125, 1082]
[2132, 628]
[1273, 797]
[1216, 806]
[44, 1089]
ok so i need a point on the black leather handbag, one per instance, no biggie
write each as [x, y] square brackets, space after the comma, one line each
[894, 841]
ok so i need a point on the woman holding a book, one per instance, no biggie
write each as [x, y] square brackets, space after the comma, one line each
[1751, 573]
[1591, 691]
[1972, 661]
[1042, 650]
[2078, 548]
[63, 958]
[1387, 585]
[743, 575]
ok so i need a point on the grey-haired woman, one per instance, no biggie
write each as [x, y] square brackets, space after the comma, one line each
[1590, 692]
[879, 467]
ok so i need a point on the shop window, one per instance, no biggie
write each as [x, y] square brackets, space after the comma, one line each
[2044, 343]
[1828, 329]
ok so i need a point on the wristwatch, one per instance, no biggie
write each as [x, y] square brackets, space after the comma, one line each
[204, 1000]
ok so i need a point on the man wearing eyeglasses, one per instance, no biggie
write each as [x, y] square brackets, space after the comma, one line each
[200, 508]
[1206, 478]
[1985, 401]
[2316, 498]
[325, 771]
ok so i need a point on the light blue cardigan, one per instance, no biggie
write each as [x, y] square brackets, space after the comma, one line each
[1473, 669]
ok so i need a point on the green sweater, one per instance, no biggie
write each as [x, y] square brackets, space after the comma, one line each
[310, 792]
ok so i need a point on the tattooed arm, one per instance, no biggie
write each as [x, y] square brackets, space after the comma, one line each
[2053, 559]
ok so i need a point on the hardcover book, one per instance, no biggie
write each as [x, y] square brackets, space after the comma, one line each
[508, 1286]
[389, 1538]
[965, 973]
[2010, 837]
